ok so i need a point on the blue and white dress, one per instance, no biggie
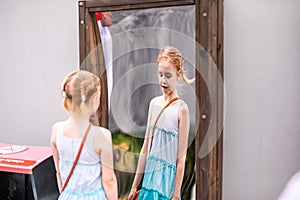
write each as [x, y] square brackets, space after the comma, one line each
[160, 171]
[86, 180]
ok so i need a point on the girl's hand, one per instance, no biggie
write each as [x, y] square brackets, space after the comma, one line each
[132, 194]
[175, 198]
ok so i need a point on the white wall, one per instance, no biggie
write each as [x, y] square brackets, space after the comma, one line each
[262, 80]
[38, 46]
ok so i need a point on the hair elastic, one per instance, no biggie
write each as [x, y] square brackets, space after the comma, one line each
[83, 98]
[63, 94]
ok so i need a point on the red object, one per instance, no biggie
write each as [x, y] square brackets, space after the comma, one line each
[98, 16]
[24, 162]
[16, 162]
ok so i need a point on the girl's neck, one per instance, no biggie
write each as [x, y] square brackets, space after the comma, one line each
[168, 97]
[79, 121]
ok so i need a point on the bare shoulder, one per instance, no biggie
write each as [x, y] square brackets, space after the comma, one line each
[183, 111]
[102, 139]
[184, 107]
[155, 100]
[101, 132]
[56, 125]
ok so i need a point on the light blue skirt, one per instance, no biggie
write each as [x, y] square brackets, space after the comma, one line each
[159, 180]
[98, 194]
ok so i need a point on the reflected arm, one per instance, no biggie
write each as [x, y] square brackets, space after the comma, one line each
[143, 156]
[184, 122]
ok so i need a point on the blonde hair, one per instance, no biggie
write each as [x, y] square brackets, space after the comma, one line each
[172, 55]
[77, 88]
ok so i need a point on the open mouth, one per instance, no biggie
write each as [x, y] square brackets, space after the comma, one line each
[164, 88]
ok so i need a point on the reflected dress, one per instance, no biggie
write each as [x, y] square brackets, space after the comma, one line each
[160, 170]
[86, 180]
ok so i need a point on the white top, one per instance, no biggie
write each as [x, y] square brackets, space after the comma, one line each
[87, 175]
[165, 140]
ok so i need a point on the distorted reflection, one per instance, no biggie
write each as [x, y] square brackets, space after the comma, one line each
[134, 64]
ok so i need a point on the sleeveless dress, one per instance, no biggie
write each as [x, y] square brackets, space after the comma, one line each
[160, 170]
[86, 180]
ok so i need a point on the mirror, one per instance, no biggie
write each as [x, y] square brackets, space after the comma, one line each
[208, 36]
[135, 82]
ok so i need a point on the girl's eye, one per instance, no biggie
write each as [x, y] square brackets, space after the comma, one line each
[168, 75]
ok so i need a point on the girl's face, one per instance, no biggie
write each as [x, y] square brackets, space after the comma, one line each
[168, 77]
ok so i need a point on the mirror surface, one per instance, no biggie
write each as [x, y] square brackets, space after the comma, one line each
[137, 37]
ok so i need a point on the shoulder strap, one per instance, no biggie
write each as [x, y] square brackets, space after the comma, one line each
[155, 122]
[77, 156]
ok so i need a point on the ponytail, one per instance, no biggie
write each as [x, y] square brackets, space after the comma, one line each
[186, 79]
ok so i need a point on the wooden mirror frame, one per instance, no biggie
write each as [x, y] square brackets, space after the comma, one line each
[209, 34]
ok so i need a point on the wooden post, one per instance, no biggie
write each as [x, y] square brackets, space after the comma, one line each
[92, 57]
[209, 34]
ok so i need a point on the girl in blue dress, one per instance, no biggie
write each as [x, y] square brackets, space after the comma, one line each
[93, 177]
[162, 157]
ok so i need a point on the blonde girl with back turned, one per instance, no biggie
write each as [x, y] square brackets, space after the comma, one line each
[163, 154]
[93, 177]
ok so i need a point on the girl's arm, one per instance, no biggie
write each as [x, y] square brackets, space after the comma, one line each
[142, 158]
[55, 157]
[109, 179]
[183, 133]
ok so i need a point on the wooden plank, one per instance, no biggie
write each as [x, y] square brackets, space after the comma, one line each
[208, 176]
[220, 64]
[92, 59]
[212, 27]
[135, 6]
[112, 3]
[202, 165]
[82, 35]
[97, 65]
[200, 182]
[198, 173]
